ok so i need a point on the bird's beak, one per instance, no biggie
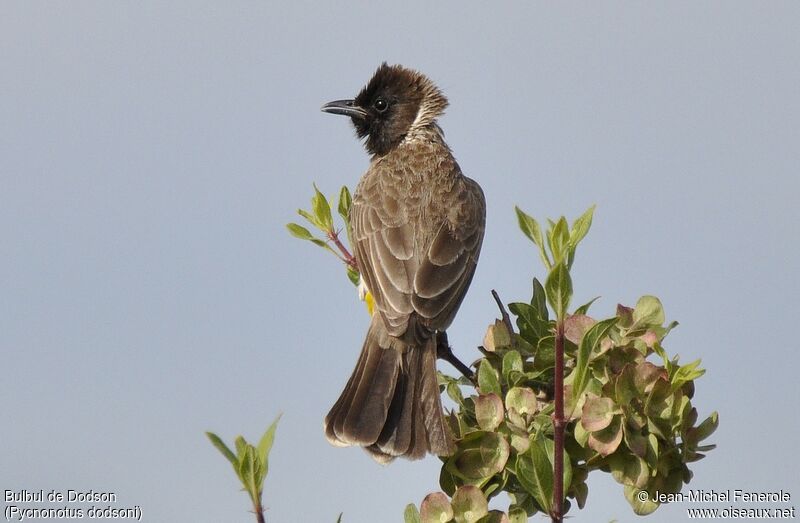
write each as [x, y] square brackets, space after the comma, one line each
[345, 107]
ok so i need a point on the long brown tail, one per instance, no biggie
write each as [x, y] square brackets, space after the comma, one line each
[391, 404]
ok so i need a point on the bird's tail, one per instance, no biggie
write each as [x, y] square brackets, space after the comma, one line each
[391, 404]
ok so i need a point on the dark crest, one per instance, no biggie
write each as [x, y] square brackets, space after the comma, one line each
[395, 99]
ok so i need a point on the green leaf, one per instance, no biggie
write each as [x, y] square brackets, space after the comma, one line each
[648, 311]
[480, 455]
[518, 437]
[411, 514]
[531, 327]
[658, 403]
[530, 227]
[628, 470]
[581, 435]
[254, 483]
[545, 353]
[469, 504]
[652, 449]
[581, 492]
[489, 411]
[497, 336]
[533, 319]
[495, 516]
[217, 442]
[560, 241]
[706, 428]
[625, 315]
[311, 219]
[686, 373]
[683, 415]
[646, 374]
[512, 362]
[625, 389]
[522, 400]
[659, 350]
[580, 227]
[339, 519]
[241, 447]
[635, 440]
[488, 380]
[589, 342]
[576, 325]
[435, 508]
[448, 479]
[607, 440]
[265, 445]
[635, 497]
[598, 413]
[322, 210]
[353, 275]
[345, 202]
[246, 462]
[298, 231]
[455, 393]
[517, 515]
[534, 471]
[558, 287]
[583, 309]
[539, 300]
[524, 502]
[258, 473]
[670, 480]
[323, 244]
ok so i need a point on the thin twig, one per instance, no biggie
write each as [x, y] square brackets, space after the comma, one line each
[503, 312]
[259, 511]
[349, 259]
[445, 352]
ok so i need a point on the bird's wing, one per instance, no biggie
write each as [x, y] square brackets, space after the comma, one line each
[416, 290]
[384, 241]
[446, 269]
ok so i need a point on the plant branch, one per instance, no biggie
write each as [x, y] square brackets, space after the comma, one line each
[445, 352]
[258, 510]
[503, 312]
[349, 259]
[558, 425]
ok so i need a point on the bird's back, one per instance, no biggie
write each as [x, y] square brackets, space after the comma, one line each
[413, 214]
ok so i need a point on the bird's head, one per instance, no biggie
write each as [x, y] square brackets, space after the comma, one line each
[395, 102]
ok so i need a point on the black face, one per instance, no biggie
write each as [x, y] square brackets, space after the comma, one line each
[385, 109]
[391, 100]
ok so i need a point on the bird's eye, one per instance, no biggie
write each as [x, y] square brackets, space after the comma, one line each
[381, 105]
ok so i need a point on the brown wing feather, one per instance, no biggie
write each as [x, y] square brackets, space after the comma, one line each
[383, 240]
[446, 270]
[420, 289]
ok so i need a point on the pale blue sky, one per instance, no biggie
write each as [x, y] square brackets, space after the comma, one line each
[151, 153]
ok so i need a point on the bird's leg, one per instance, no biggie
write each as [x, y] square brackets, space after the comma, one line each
[445, 352]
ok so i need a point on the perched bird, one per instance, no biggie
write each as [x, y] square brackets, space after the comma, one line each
[417, 226]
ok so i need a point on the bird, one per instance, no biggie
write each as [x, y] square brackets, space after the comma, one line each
[416, 228]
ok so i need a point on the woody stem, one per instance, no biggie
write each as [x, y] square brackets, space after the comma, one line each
[559, 422]
[445, 352]
[349, 259]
